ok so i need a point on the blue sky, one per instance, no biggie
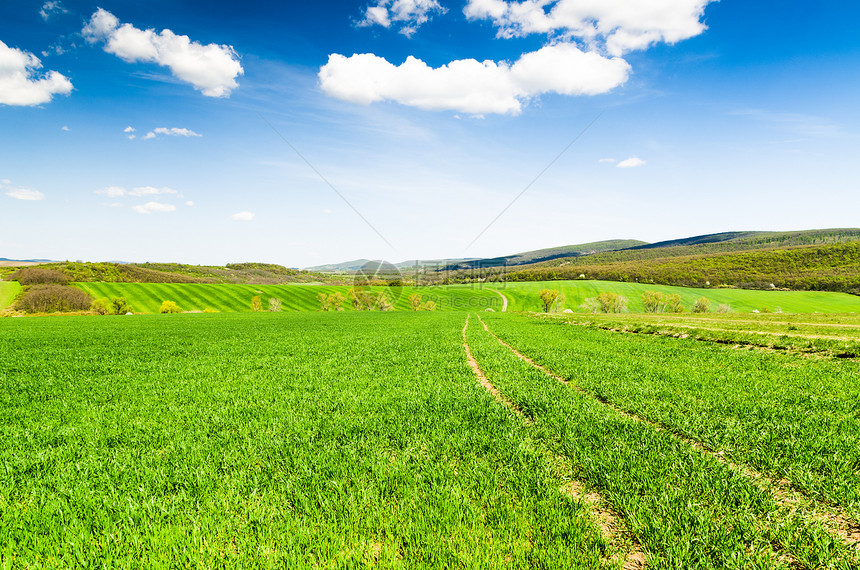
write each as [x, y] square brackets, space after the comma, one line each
[303, 133]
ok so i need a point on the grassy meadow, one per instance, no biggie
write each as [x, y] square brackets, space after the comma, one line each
[523, 296]
[147, 297]
[365, 439]
[8, 291]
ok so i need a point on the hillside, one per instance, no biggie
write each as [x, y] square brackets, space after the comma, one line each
[540, 255]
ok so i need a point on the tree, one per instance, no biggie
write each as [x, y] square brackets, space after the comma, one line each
[548, 298]
[612, 302]
[274, 305]
[170, 307]
[428, 306]
[383, 302]
[674, 304]
[654, 301]
[415, 301]
[336, 301]
[53, 298]
[256, 304]
[323, 299]
[590, 305]
[120, 306]
[702, 305]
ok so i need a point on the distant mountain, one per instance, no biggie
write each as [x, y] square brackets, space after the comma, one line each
[548, 254]
[343, 267]
[26, 260]
[373, 265]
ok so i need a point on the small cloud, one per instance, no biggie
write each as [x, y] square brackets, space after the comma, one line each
[5, 181]
[52, 8]
[171, 132]
[112, 191]
[632, 162]
[326, 211]
[151, 207]
[410, 14]
[25, 194]
[151, 191]
[606, 160]
[65, 128]
[242, 216]
[129, 129]
[189, 203]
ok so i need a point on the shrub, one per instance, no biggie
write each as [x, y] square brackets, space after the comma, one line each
[654, 301]
[102, 306]
[415, 301]
[54, 299]
[336, 301]
[590, 305]
[383, 302]
[170, 307]
[207, 310]
[702, 305]
[674, 303]
[256, 303]
[428, 306]
[274, 305]
[612, 303]
[40, 276]
[121, 306]
[724, 308]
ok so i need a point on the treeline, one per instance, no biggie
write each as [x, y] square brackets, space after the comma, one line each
[833, 267]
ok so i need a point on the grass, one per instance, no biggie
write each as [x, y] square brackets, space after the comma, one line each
[524, 297]
[321, 440]
[787, 416]
[147, 297]
[8, 291]
[302, 440]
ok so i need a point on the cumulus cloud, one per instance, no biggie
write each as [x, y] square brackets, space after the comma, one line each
[51, 8]
[153, 207]
[20, 193]
[242, 216]
[409, 15]
[619, 26]
[631, 162]
[20, 82]
[65, 128]
[469, 85]
[171, 132]
[212, 69]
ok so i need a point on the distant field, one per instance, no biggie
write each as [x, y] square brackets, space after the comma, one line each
[524, 297]
[8, 291]
[147, 297]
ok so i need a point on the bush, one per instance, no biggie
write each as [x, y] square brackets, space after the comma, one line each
[102, 306]
[54, 299]
[612, 303]
[674, 303]
[428, 306]
[274, 305]
[724, 308]
[702, 305]
[550, 299]
[40, 276]
[256, 303]
[654, 301]
[169, 307]
[207, 310]
[590, 305]
[415, 301]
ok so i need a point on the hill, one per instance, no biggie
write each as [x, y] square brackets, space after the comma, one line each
[540, 255]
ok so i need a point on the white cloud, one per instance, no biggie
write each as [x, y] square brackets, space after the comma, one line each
[189, 203]
[129, 129]
[119, 191]
[212, 69]
[242, 216]
[51, 8]
[471, 86]
[25, 194]
[152, 207]
[5, 181]
[632, 162]
[619, 26]
[21, 85]
[606, 160]
[171, 132]
[65, 128]
[409, 14]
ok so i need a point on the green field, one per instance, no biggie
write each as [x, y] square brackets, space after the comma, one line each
[329, 440]
[8, 291]
[147, 297]
[524, 297]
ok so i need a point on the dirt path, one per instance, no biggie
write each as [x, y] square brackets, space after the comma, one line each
[832, 518]
[504, 300]
[609, 522]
